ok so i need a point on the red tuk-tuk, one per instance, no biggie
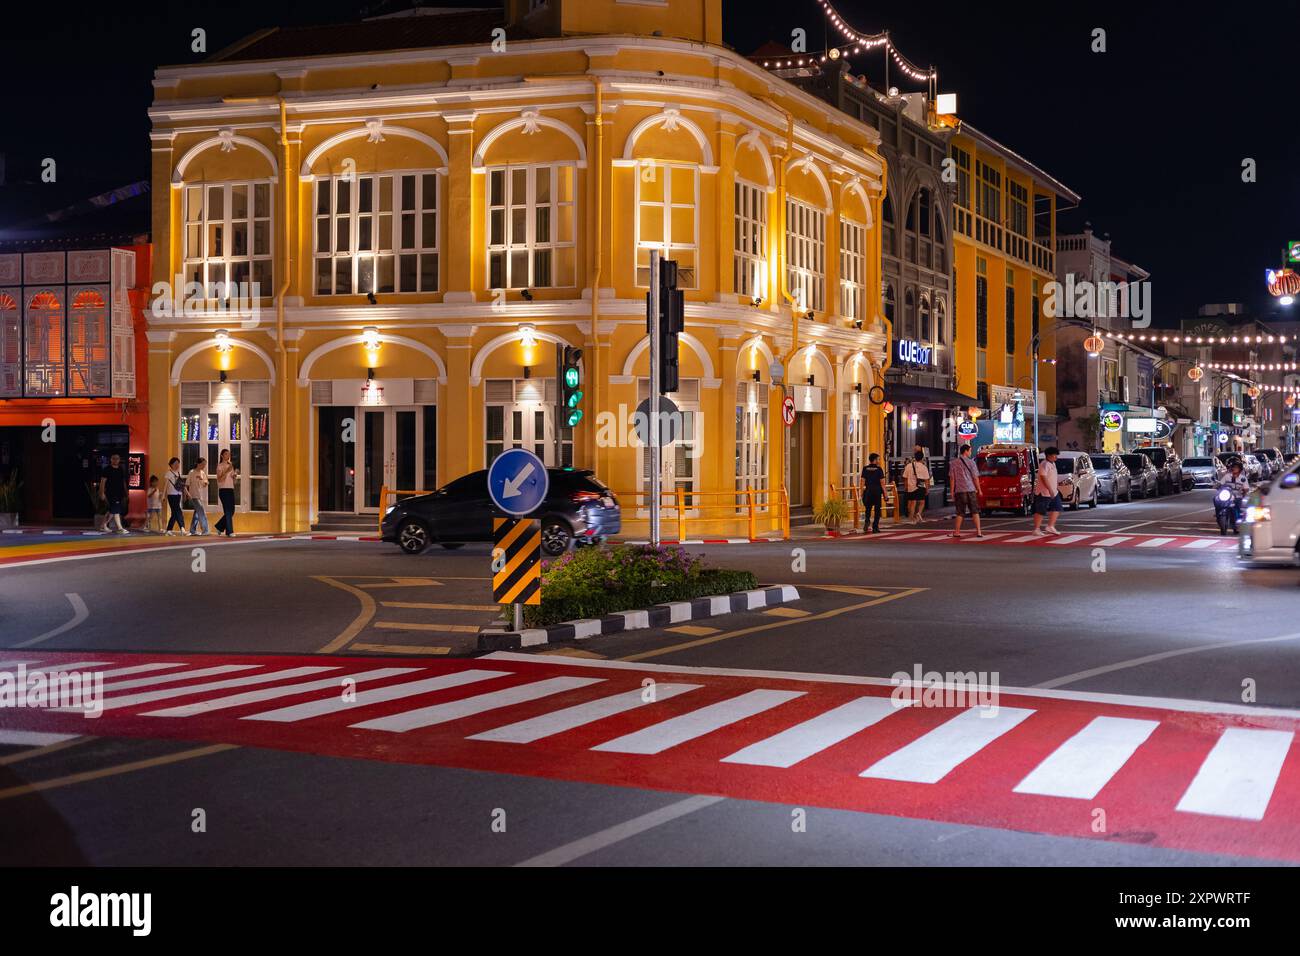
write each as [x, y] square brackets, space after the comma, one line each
[1007, 473]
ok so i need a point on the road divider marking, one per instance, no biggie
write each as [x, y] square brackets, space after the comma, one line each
[425, 606]
[785, 612]
[1081, 766]
[933, 756]
[1239, 774]
[694, 630]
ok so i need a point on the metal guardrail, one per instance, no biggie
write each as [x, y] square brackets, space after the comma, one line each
[384, 493]
[853, 494]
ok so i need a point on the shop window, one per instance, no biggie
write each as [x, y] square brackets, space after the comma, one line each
[667, 200]
[235, 416]
[377, 233]
[530, 228]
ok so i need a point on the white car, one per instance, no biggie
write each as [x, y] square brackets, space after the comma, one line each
[1078, 480]
[1271, 531]
[1254, 471]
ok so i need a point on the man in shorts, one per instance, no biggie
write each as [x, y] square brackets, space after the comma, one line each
[1047, 495]
[964, 477]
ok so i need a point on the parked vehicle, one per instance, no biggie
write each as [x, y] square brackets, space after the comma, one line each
[578, 508]
[1143, 474]
[1270, 533]
[1113, 478]
[1169, 468]
[1290, 457]
[1254, 470]
[1076, 468]
[1205, 472]
[1273, 457]
[1266, 469]
[1007, 477]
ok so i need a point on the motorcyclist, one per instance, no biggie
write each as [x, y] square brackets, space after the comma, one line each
[1238, 486]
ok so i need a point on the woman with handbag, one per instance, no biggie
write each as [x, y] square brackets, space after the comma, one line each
[196, 487]
[916, 482]
[175, 497]
[227, 473]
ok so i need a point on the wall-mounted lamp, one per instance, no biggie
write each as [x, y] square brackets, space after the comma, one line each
[857, 323]
[223, 341]
[757, 300]
[370, 338]
[528, 371]
[812, 379]
[857, 387]
[370, 375]
[223, 375]
[809, 315]
[757, 376]
[526, 294]
[370, 297]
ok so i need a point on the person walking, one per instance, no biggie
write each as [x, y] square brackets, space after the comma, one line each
[196, 487]
[873, 494]
[227, 474]
[175, 497]
[916, 482]
[964, 478]
[112, 488]
[1047, 494]
[153, 508]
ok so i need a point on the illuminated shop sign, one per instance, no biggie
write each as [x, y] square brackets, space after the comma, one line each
[913, 352]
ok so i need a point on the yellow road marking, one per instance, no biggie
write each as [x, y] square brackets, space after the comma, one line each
[41, 751]
[67, 781]
[847, 589]
[695, 630]
[389, 577]
[441, 607]
[404, 583]
[404, 626]
[400, 649]
[786, 612]
[571, 652]
[834, 612]
[358, 623]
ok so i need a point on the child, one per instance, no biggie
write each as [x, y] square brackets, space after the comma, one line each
[153, 519]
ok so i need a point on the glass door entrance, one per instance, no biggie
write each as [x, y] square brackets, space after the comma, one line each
[364, 450]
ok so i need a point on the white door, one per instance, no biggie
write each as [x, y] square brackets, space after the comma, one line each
[391, 441]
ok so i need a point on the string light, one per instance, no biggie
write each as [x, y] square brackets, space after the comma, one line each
[861, 42]
[1203, 339]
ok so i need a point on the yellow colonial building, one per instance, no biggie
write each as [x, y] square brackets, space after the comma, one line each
[429, 204]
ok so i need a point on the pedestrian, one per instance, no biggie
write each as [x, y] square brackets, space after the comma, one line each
[175, 497]
[196, 487]
[227, 475]
[153, 507]
[873, 494]
[964, 478]
[916, 483]
[94, 486]
[1047, 494]
[112, 488]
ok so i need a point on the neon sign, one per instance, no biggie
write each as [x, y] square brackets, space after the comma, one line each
[913, 352]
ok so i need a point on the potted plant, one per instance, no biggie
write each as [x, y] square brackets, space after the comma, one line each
[831, 512]
[10, 500]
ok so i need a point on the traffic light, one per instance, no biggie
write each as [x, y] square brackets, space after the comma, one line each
[570, 386]
[672, 319]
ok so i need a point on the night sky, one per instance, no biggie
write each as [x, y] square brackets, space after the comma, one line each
[1152, 133]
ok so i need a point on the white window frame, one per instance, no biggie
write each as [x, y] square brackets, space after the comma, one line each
[750, 239]
[223, 413]
[752, 443]
[559, 210]
[805, 254]
[672, 246]
[11, 343]
[206, 268]
[854, 441]
[853, 265]
[527, 409]
[391, 252]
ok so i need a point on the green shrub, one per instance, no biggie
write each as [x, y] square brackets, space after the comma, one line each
[593, 582]
[831, 512]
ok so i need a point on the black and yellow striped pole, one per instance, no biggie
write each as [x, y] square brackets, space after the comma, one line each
[517, 564]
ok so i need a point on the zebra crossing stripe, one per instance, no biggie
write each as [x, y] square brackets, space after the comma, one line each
[331, 705]
[1068, 539]
[677, 730]
[454, 710]
[932, 757]
[1084, 764]
[270, 693]
[1154, 542]
[813, 736]
[1202, 543]
[1239, 774]
[1113, 540]
[518, 548]
[548, 725]
[145, 697]
[177, 675]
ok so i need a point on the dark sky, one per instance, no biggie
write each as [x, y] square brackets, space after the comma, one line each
[1152, 132]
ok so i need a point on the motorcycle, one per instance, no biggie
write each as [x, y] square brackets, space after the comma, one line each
[1227, 509]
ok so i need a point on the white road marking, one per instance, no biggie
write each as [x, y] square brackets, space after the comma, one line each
[1201, 543]
[32, 738]
[930, 758]
[813, 736]
[677, 730]
[622, 831]
[1069, 539]
[1117, 539]
[1154, 542]
[547, 725]
[469, 706]
[71, 666]
[145, 697]
[271, 693]
[1084, 764]
[1023, 538]
[117, 685]
[317, 708]
[79, 614]
[1239, 774]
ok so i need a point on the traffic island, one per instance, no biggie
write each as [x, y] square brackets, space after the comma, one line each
[598, 591]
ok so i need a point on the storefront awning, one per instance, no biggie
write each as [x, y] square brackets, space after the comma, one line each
[922, 395]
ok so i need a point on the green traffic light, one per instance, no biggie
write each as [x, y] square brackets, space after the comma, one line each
[574, 399]
[575, 416]
[571, 377]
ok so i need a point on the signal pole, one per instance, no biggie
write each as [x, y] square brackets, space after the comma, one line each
[652, 426]
[557, 437]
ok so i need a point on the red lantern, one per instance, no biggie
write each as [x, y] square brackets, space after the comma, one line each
[1290, 400]
[1094, 345]
[1253, 392]
[1285, 282]
[1194, 373]
[888, 407]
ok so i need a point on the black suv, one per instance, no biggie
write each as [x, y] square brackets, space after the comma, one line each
[1169, 467]
[579, 508]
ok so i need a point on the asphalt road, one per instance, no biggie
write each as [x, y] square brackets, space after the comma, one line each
[1161, 623]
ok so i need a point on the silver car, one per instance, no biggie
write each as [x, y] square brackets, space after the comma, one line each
[1205, 472]
[1113, 480]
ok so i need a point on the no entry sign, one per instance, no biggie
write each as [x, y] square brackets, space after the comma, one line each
[787, 411]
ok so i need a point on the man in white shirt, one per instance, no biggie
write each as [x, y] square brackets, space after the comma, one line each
[1047, 495]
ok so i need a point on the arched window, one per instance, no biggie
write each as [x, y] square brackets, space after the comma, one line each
[940, 253]
[940, 321]
[923, 211]
[667, 202]
[925, 319]
[887, 226]
[88, 353]
[890, 302]
[909, 314]
[44, 327]
[11, 341]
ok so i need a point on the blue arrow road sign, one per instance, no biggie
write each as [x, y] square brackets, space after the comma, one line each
[518, 482]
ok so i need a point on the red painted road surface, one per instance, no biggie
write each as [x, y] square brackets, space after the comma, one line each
[1185, 775]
